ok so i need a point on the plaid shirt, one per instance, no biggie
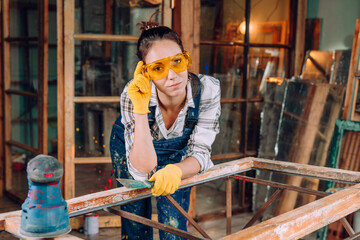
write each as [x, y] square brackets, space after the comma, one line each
[199, 144]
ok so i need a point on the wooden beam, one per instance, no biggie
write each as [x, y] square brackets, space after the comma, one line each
[2, 140]
[352, 84]
[69, 108]
[105, 37]
[305, 170]
[187, 25]
[60, 87]
[300, 36]
[88, 160]
[43, 37]
[104, 99]
[306, 219]
[7, 97]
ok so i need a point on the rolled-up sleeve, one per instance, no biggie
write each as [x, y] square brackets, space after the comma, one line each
[203, 136]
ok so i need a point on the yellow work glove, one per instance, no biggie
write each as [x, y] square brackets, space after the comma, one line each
[167, 180]
[139, 91]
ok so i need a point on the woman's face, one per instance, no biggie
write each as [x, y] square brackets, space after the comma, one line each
[173, 84]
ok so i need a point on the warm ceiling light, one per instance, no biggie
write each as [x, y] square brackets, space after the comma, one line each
[242, 27]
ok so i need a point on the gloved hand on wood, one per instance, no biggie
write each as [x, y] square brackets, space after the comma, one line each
[167, 180]
[139, 91]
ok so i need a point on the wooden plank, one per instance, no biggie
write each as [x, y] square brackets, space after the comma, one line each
[22, 146]
[7, 97]
[13, 226]
[43, 36]
[105, 37]
[117, 196]
[2, 140]
[349, 102]
[108, 27]
[60, 86]
[306, 219]
[196, 41]
[300, 36]
[69, 108]
[104, 99]
[21, 93]
[89, 160]
[228, 205]
[232, 155]
[305, 170]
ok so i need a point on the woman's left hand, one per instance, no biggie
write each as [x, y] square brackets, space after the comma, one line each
[167, 180]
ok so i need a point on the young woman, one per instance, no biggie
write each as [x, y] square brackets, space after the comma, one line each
[169, 120]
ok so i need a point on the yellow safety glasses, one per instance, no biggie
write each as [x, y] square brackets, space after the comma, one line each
[160, 68]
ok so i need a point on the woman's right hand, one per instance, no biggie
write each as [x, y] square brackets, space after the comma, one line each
[139, 91]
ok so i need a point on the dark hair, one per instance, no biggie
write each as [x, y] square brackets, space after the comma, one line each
[152, 33]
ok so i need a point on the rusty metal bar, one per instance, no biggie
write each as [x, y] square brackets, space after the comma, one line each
[154, 224]
[228, 206]
[264, 207]
[281, 185]
[187, 216]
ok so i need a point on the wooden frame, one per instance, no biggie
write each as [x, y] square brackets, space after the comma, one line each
[341, 126]
[7, 92]
[291, 225]
[66, 92]
[353, 78]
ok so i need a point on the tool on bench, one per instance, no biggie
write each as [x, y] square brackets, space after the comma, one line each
[44, 212]
[130, 183]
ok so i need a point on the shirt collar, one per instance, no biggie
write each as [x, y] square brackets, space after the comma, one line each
[189, 97]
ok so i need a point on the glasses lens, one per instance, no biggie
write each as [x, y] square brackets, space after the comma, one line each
[179, 63]
[157, 70]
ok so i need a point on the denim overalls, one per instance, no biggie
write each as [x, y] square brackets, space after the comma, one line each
[168, 151]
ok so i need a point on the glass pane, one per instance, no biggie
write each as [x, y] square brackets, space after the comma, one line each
[269, 21]
[114, 17]
[100, 175]
[23, 18]
[24, 117]
[220, 19]
[93, 124]
[265, 63]
[228, 139]
[20, 158]
[221, 61]
[103, 68]
[253, 125]
[23, 66]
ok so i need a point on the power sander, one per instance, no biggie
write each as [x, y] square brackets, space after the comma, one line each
[44, 212]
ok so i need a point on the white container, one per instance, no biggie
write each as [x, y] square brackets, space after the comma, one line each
[91, 224]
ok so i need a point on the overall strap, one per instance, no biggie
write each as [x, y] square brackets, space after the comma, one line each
[193, 113]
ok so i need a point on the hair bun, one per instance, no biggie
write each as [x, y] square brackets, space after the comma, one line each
[150, 24]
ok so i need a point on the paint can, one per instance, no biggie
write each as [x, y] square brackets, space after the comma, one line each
[91, 224]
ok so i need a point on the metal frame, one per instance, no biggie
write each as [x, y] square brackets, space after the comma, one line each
[291, 225]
